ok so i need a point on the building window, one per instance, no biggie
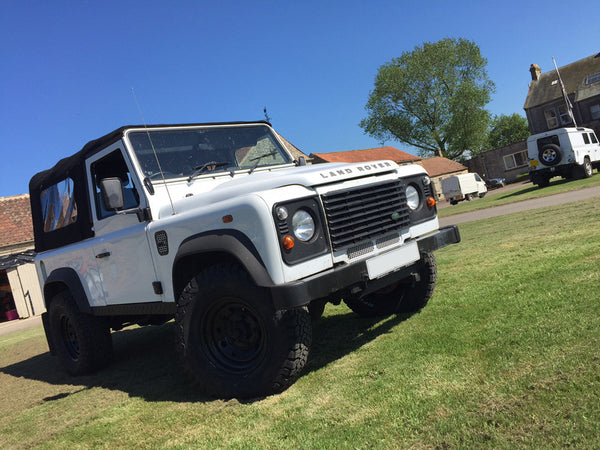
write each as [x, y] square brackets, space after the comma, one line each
[595, 111]
[551, 119]
[593, 78]
[563, 112]
[515, 160]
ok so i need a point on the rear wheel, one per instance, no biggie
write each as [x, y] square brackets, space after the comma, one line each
[585, 171]
[231, 339]
[405, 297]
[83, 343]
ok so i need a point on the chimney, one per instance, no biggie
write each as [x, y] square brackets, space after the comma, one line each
[535, 72]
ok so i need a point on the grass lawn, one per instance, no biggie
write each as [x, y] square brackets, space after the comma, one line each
[529, 191]
[506, 355]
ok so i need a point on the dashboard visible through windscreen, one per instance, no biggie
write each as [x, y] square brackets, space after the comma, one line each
[205, 150]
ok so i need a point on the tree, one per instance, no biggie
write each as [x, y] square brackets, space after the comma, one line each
[433, 98]
[506, 130]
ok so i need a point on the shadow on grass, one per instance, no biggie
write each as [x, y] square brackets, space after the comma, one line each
[145, 364]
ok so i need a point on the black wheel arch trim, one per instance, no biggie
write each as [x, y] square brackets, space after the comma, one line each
[69, 278]
[231, 242]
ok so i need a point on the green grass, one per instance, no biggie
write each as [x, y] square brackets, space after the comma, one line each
[506, 355]
[529, 191]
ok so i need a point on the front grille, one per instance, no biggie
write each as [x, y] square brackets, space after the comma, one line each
[365, 213]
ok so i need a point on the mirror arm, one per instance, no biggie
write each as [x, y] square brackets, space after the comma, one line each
[143, 214]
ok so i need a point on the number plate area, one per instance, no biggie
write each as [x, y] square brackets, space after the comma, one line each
[388, 262]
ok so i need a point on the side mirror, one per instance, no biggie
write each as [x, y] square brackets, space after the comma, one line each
[111, 193]
[302, 161]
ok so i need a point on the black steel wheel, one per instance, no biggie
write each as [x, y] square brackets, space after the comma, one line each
[233, 335]
[232, 341]
[82, 342]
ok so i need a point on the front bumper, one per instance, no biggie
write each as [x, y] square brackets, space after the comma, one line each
[354, 277]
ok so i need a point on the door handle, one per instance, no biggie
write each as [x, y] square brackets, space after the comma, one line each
[103, 255]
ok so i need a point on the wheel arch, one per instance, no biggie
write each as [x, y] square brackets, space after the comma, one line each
[66, 279]
[205, 249]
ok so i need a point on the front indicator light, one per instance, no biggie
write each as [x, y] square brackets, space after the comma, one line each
[288, 242]
[430, 202]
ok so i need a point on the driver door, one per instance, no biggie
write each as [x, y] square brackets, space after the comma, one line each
[122, 251]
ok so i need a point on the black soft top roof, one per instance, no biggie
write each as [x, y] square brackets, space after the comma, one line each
[65, 166]
[74, 167]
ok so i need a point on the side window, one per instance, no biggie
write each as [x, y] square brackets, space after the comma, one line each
[594, 139]
[477, 178]
[113, 165]
[586, 139]
[551, 119]
[565, 117]
[58, 205]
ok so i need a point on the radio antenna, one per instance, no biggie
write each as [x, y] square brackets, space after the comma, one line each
[162, 175]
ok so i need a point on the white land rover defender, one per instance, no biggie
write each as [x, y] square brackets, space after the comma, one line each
[566, 152]
[216, 226]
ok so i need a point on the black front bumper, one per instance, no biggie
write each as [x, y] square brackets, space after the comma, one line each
[353, 277]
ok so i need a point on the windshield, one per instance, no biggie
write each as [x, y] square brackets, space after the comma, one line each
[197, 151]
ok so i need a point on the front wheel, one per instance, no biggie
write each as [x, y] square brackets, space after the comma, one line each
[231, 339]
[82, 342]
[406, 297]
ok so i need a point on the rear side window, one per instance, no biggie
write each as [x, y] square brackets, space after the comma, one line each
[586, 139]
[58, 205]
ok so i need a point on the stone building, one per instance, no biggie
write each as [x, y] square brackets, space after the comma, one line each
[545, 106]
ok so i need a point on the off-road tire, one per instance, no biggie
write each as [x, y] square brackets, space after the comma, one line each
[541, 181]
[232, 341]
[82, 342]
[586, 170]
[316, 308]
[406, 297]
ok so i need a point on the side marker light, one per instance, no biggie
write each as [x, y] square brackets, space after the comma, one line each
[430, 202]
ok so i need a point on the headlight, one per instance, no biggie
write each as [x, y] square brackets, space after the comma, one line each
[303, 225]
[412, 197]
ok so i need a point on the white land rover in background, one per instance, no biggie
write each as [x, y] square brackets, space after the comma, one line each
[565, 152]
[216, 226]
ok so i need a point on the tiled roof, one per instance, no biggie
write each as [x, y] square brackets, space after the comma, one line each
[15, 220]
[370, 154]
[437, 166]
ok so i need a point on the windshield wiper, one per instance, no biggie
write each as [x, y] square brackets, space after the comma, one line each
[212, 165]
[258, 158]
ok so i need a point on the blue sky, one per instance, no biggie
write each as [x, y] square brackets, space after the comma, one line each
[67, 68]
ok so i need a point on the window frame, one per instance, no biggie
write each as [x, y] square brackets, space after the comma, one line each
[513, 158]
[595, 111]
[551, 116]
